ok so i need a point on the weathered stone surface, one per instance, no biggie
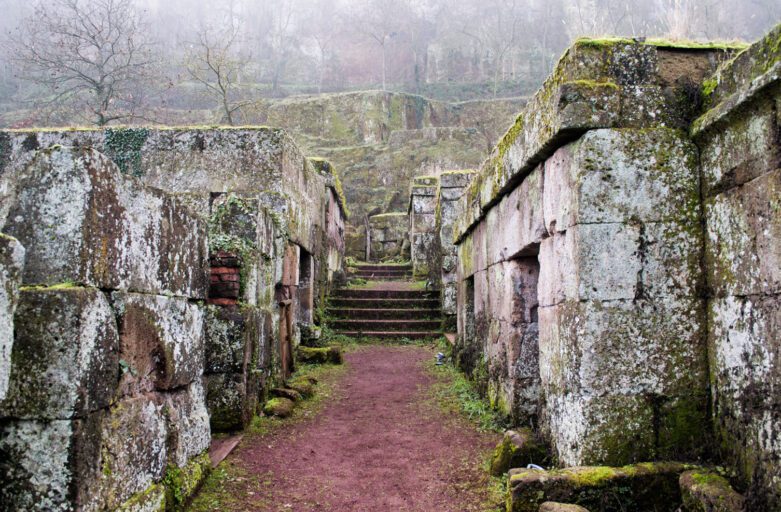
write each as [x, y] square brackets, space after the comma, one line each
[744, 341]
[743, 255]
[589, 90]
[552, 506]
[50, 465]
[739, 81]
[11, 266]
[613, 372]
[516, 223]
[279, 407]
[641, 487]
[133, 449]
[231, 402]
[314, 355]
[509, 330]
[66, 354]
[456, 179]
[622, 176]
[161, 341]
[182, 482]
[742, 149]
[620, 262]
[517, 449]
[143, 240]
[188, 424]
[704, 491]
[231, 338]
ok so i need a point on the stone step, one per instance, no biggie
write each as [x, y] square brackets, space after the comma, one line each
[385, 313]
[407, 268]
[393, 335]
[379, 303]
[360, 293]
[382, 274]
[385, 325]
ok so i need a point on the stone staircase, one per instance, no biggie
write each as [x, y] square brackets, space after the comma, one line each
[383, 272]
[391, 307]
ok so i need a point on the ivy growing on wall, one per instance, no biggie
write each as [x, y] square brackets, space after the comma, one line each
[228, 218]
[123, 146]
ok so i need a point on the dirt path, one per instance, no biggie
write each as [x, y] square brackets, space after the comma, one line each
[381, 445]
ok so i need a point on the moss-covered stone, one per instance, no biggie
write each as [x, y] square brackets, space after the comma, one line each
[303, 386]
[153, 499]
[640, 487]
[181, 483]
[707, 491]
[517, 449]
[279, 407]
[318, 355]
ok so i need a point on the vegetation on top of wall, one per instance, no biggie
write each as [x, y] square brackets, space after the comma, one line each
[677, 44]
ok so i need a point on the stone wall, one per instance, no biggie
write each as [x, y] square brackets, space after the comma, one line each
[740, 151]
[618, 259]
[451, 188]
[424, 251]
[108, 341]
[388, 236]
[163, 279]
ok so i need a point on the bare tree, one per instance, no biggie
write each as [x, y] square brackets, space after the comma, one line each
[497, 30]
[321, 19]
[89, 54]
[281, 40]
[214, 61]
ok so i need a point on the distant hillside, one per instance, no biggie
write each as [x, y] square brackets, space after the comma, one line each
[379, 140]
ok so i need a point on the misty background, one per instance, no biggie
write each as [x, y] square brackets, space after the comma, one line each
[206, 61]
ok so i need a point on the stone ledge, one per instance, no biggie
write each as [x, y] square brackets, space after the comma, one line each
[638, 487]
[591, 88]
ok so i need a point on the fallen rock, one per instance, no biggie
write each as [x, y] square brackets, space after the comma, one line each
[302, 386]
[705, 491]
[639, 487]
[517, 449]
[279, 407]
[290, 394]
[312, 355]
[552, 506]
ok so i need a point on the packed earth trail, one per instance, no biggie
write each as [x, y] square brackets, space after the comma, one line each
[381, 443]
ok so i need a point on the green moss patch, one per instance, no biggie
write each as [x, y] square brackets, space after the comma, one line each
[640, 487]
[182, 483]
